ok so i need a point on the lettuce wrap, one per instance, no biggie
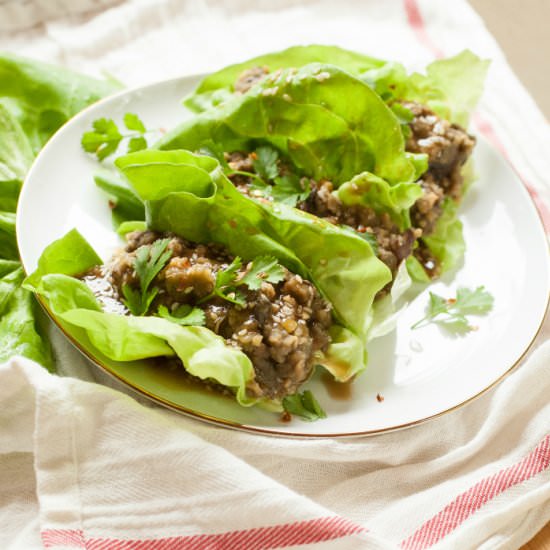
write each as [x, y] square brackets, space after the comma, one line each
[189, 195]
[450, 88]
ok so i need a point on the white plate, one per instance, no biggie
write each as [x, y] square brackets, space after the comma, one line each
[419, 373]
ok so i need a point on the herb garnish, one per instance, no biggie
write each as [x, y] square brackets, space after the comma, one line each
[263, 268]
[304, 405]
[105, 137]
[184, 315]
[288, 189]
[451, 313]
[149, 261]
[265, 162]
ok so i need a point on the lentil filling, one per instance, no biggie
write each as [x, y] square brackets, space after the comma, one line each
[282, 327]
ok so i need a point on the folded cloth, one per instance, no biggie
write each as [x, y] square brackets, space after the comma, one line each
[111, 473]
[84, 466]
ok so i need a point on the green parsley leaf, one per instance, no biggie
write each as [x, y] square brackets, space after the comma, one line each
[225, 286]
[148, 262]
[103, 140]
[266, 163]
[304, 405]
[263, 268]
[290, 189]
[451, 312]
[227, 277]
[184, 315]
[133, 122]
[137, 144]
[106, 137]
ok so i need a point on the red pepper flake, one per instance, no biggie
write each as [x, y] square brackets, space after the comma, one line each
[286, 416]
[379, 398]
[232, 223]
[254, 156]
[451, 301]
[112, 205]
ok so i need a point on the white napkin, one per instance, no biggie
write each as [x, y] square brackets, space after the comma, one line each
[83, 466]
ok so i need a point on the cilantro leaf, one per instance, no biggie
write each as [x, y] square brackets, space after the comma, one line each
[103, 140]
[290, 189]
[133, 122]
[266, 162]
[263, 268]
[474, 301]
[451, 312]
[184, 315]
[148, 262]
[137, 144]
[225, 286]
[228, 276]
[304, 405]
[106, 137]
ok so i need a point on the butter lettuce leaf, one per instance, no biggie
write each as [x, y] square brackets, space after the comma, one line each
[35, 99]
[451, 87]
[20, 318]
[220, 86]
[446, 242]
[190, 195]
[128, 338]
[328, 123]
[376, 193]
[42, 97]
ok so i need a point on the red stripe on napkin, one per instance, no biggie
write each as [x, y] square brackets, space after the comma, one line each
[488, 131]
[414, 17]
[468, 502]
[259, 538]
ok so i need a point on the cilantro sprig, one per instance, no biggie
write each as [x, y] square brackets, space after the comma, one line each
[148, 262]
[287, 189]
[304, 405]
[451, 312]
[105, 137]
[228, 281]
[184, 315]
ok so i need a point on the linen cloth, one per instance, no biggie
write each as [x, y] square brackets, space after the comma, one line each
[85, 466]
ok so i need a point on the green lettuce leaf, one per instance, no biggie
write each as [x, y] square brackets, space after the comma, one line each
[71, 255]
[42, 97]
[341, 264]
[127, 338]
[16, 154]
[19, 318]
[326, 122]
[35, 99]
[125, 204]
[8, 244]
[372, 191]
[446, 242]
[219, 86]
[451, 87]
